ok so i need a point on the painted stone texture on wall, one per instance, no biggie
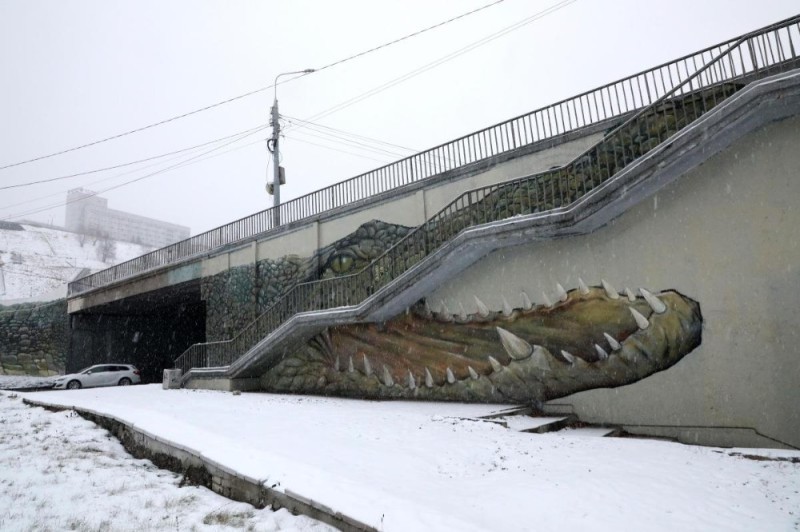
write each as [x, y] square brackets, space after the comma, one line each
[34, 338]
[589, 338]
[237, 296]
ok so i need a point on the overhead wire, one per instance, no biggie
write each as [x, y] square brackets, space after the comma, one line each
[125, 183]
[349, 142]
[129, 172]
[250, 93]
[317, 126]
[536, 16]
[130, 163]
[444, 59]
[336, 149]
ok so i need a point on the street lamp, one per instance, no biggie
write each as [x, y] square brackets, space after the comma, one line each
[276, 129]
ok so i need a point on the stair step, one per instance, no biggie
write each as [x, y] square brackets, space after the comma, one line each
[534, 424]
[589, 432]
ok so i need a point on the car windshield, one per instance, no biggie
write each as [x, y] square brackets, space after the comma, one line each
[84, 370]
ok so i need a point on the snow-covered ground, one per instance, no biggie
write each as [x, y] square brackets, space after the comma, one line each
[61, 472]
[13, 382]
[38, 262]
[406, 466]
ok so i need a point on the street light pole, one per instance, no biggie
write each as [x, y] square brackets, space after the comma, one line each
[276, 130]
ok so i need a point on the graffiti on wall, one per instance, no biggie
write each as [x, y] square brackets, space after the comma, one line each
[591, 337]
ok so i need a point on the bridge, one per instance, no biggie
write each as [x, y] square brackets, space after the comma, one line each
[680, 178]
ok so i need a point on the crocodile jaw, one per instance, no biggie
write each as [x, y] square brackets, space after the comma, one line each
[589, 338]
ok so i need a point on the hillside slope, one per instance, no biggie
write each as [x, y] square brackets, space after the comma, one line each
[36, 263]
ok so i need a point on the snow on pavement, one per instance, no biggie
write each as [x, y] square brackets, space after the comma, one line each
[61, 472]
[403, 466]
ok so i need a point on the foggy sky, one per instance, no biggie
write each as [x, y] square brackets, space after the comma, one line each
[75, 72]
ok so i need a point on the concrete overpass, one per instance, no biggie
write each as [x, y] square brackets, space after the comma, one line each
[548, 185]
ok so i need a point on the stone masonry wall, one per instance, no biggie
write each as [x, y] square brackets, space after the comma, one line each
[34, 338]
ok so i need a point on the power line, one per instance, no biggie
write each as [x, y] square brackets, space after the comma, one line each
[405, 77]
[173, 167]
[131, 163]
[409, 36]
[247, 94]
[317, 126]
[59, 193]
[351, 143]
[337, 149]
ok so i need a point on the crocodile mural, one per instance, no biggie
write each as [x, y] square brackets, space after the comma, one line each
[590, 337]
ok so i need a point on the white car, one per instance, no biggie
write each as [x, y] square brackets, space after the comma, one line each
[100, 375]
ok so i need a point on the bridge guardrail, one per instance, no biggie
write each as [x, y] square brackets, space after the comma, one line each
[686, 96]
[613, 100]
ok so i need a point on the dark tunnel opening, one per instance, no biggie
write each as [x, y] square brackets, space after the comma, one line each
[149, 333]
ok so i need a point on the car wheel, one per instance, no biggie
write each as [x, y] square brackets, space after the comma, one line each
[73, 385]
[125, 381]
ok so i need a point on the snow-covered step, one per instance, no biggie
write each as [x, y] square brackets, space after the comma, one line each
[535, 424]
[589, 432]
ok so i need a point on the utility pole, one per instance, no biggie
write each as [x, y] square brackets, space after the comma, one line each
[276, 131]
[276, 178]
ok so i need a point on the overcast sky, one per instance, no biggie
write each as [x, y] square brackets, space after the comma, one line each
[77, 71]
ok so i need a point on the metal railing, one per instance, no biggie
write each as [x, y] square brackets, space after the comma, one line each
[687, 91]
[609, 101]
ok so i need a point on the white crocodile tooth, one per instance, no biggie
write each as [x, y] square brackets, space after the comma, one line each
[546, 300]
[450, 377]
[526, 301]
[582, 286]
[462, 314]
[506, 307]
[611, 292]
[387, 377]
[367, 367]
[473, 373]
[428, 378]
[541, 358]
[656, 304]
[428, 310]
[561, 293]
[600, 352]
[483, 310]
[569, 357]
[336, 364]
[350, 367]
[615, 346]
[516, 347]
[641, 321]
[630, 295]
[412, 382]
[497, 366]
[444, 313]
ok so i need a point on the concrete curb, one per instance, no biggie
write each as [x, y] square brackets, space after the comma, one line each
[201, 470]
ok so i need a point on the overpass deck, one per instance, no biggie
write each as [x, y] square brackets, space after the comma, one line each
[749, 82]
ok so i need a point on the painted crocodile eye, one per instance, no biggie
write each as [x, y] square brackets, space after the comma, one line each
[341, 263]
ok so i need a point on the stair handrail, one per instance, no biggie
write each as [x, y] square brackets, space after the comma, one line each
[616, 99]
[349, 290]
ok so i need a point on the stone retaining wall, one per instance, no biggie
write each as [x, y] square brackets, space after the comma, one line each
[34, 338]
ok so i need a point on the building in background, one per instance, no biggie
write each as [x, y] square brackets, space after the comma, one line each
[89, 214]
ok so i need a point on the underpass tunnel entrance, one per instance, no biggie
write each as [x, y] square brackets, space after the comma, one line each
[148, 331]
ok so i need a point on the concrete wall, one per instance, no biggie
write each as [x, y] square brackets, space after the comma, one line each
[726, 235]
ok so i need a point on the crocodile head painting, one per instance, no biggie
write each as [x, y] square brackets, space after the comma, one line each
[590, 337]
